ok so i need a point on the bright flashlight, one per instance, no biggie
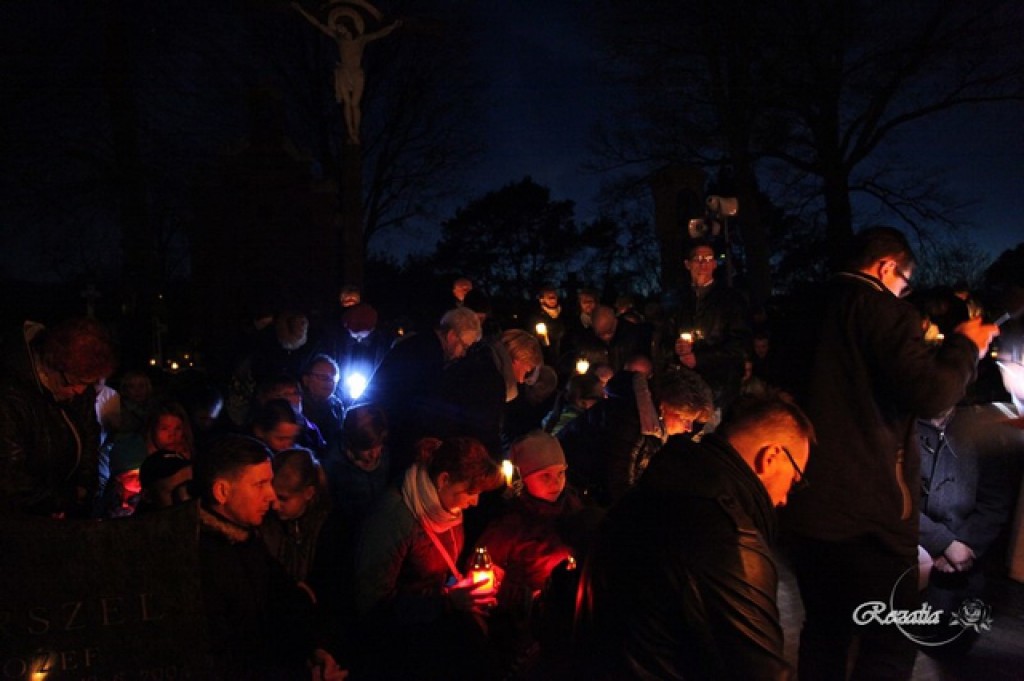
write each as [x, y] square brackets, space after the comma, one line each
[355, 383]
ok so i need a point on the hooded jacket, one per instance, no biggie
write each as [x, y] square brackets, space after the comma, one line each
[681, 583]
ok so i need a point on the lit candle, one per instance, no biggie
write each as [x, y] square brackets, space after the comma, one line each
[508, 470]
[582, 365]
[481, 572]
[542, 331]
[686, 336]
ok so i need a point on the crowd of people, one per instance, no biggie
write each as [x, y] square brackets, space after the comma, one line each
[620, 470]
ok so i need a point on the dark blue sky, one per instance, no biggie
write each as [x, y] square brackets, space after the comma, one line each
[547, 93]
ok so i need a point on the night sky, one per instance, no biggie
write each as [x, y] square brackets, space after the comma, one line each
[547, 93]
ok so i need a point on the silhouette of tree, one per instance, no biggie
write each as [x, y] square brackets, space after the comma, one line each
[805, 98]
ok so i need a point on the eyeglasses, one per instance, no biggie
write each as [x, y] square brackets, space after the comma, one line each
[324, 377]
[702, 258]
[801, 480]
[907, 287]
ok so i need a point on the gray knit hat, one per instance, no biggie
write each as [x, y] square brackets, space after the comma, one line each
[536, 450]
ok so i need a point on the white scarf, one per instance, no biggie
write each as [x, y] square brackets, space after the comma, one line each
[420, 496]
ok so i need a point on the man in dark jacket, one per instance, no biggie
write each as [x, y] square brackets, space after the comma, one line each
[681, 583]
[707, 328]
[407, 383]
[261, 623]
[49, 434]
[856, 529]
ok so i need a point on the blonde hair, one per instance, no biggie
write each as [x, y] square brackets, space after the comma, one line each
[523, 346]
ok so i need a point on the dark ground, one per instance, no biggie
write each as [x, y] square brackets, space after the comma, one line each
[998, 655]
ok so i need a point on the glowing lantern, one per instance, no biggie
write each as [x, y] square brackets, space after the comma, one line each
[481, 571]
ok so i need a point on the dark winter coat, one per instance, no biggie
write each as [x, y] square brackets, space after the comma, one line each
[967, 477]
[680, 583]
[871, 374]
[48, 449]
[405, 386]
[605, 446]
[260, 623]
[474, 393]
[527, 541]
[719, 320]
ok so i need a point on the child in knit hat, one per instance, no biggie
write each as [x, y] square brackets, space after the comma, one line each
[541, 463]
[540, 528]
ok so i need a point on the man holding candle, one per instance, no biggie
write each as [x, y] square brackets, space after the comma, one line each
[680, 583]
[855, 533]
[547, 323]
[707, 328]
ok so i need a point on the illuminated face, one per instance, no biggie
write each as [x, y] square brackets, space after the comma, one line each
[546, 483]
[780, 481]
[549, 299]
[456, 346]
[678, 421]
[455, 496]
[291, 504]
[896, 277]
[587, 303]
[169, 433]
[321, 381]
[281, 437]
[461, 288]
[246, 498]
[521, 369]
[701, 265]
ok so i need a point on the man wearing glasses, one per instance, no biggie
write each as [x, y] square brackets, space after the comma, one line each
[856, 529]
[407, 383]
[49, 434]
[681, 583]
[708, 327]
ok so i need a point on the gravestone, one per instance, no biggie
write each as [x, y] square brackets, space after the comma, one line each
[102, 600]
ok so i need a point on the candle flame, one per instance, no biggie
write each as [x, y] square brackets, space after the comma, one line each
[508, 470]
[582, 366]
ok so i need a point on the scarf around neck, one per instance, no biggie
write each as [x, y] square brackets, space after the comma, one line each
[420, 497]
